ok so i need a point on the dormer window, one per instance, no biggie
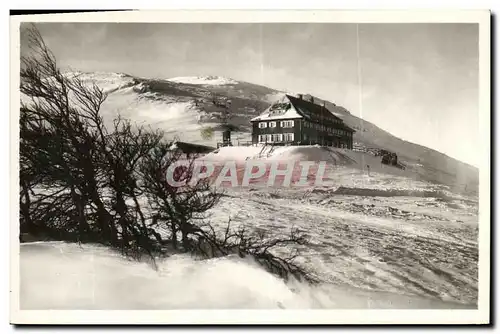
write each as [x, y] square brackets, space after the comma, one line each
[279, 108]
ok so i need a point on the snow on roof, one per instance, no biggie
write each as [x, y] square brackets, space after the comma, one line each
[236, 153]
[204, 80]
[293, 107]
[284, 110]
[337, 114]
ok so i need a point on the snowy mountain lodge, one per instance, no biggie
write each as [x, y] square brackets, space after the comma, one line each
[297, 121]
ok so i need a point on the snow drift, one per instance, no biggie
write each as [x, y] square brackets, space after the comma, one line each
[56, 275]
[343, 167]
[439, 251]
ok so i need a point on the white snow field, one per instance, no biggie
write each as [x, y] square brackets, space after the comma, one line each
[204, 80]
[388, 243]
[383, 238]
[380, 231]
[61, 276]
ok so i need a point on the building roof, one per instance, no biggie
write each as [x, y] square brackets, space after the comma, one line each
[193, 148]
[281, 110]
[292, 107]
[306, 107]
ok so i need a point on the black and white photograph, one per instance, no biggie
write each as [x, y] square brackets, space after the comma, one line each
[190, 162]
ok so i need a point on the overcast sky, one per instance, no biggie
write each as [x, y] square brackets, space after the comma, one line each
[418, 81]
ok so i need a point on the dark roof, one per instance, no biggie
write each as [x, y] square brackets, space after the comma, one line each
[321, 111]
[193, 148]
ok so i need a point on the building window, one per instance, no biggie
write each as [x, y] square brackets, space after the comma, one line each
[286, 124]
[272, 124]
[262, 138]
[288, 137]
[277, 137]
[262, 125]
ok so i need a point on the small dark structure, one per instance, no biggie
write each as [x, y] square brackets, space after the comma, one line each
[190, 148]
[390, 159]
[226, 138]
[296, 121]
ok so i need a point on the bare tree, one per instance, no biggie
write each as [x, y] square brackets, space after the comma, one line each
[70, 158]
[59, 127]
[84, 181]
[176, 207]
[258, 245]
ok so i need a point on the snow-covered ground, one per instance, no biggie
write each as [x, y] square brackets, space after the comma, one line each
[418, 246]
[381, 230]
[108, 82]
[389, 242]
[381, 237]
[204, 80]
[60, 276]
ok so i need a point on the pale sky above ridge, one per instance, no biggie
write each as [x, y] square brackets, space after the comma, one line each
[418, 81]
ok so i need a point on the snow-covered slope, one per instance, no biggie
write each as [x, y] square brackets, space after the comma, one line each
[72, 277]
[109, 82]
[344, 168]
[207, 80]
[183, 106]
[384, 238]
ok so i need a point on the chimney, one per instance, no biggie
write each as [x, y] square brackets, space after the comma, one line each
[300, 96]
[312, 99]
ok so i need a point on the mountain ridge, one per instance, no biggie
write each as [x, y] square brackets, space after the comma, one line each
[170, 99]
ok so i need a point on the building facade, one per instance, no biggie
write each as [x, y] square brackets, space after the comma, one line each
[296, 121]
